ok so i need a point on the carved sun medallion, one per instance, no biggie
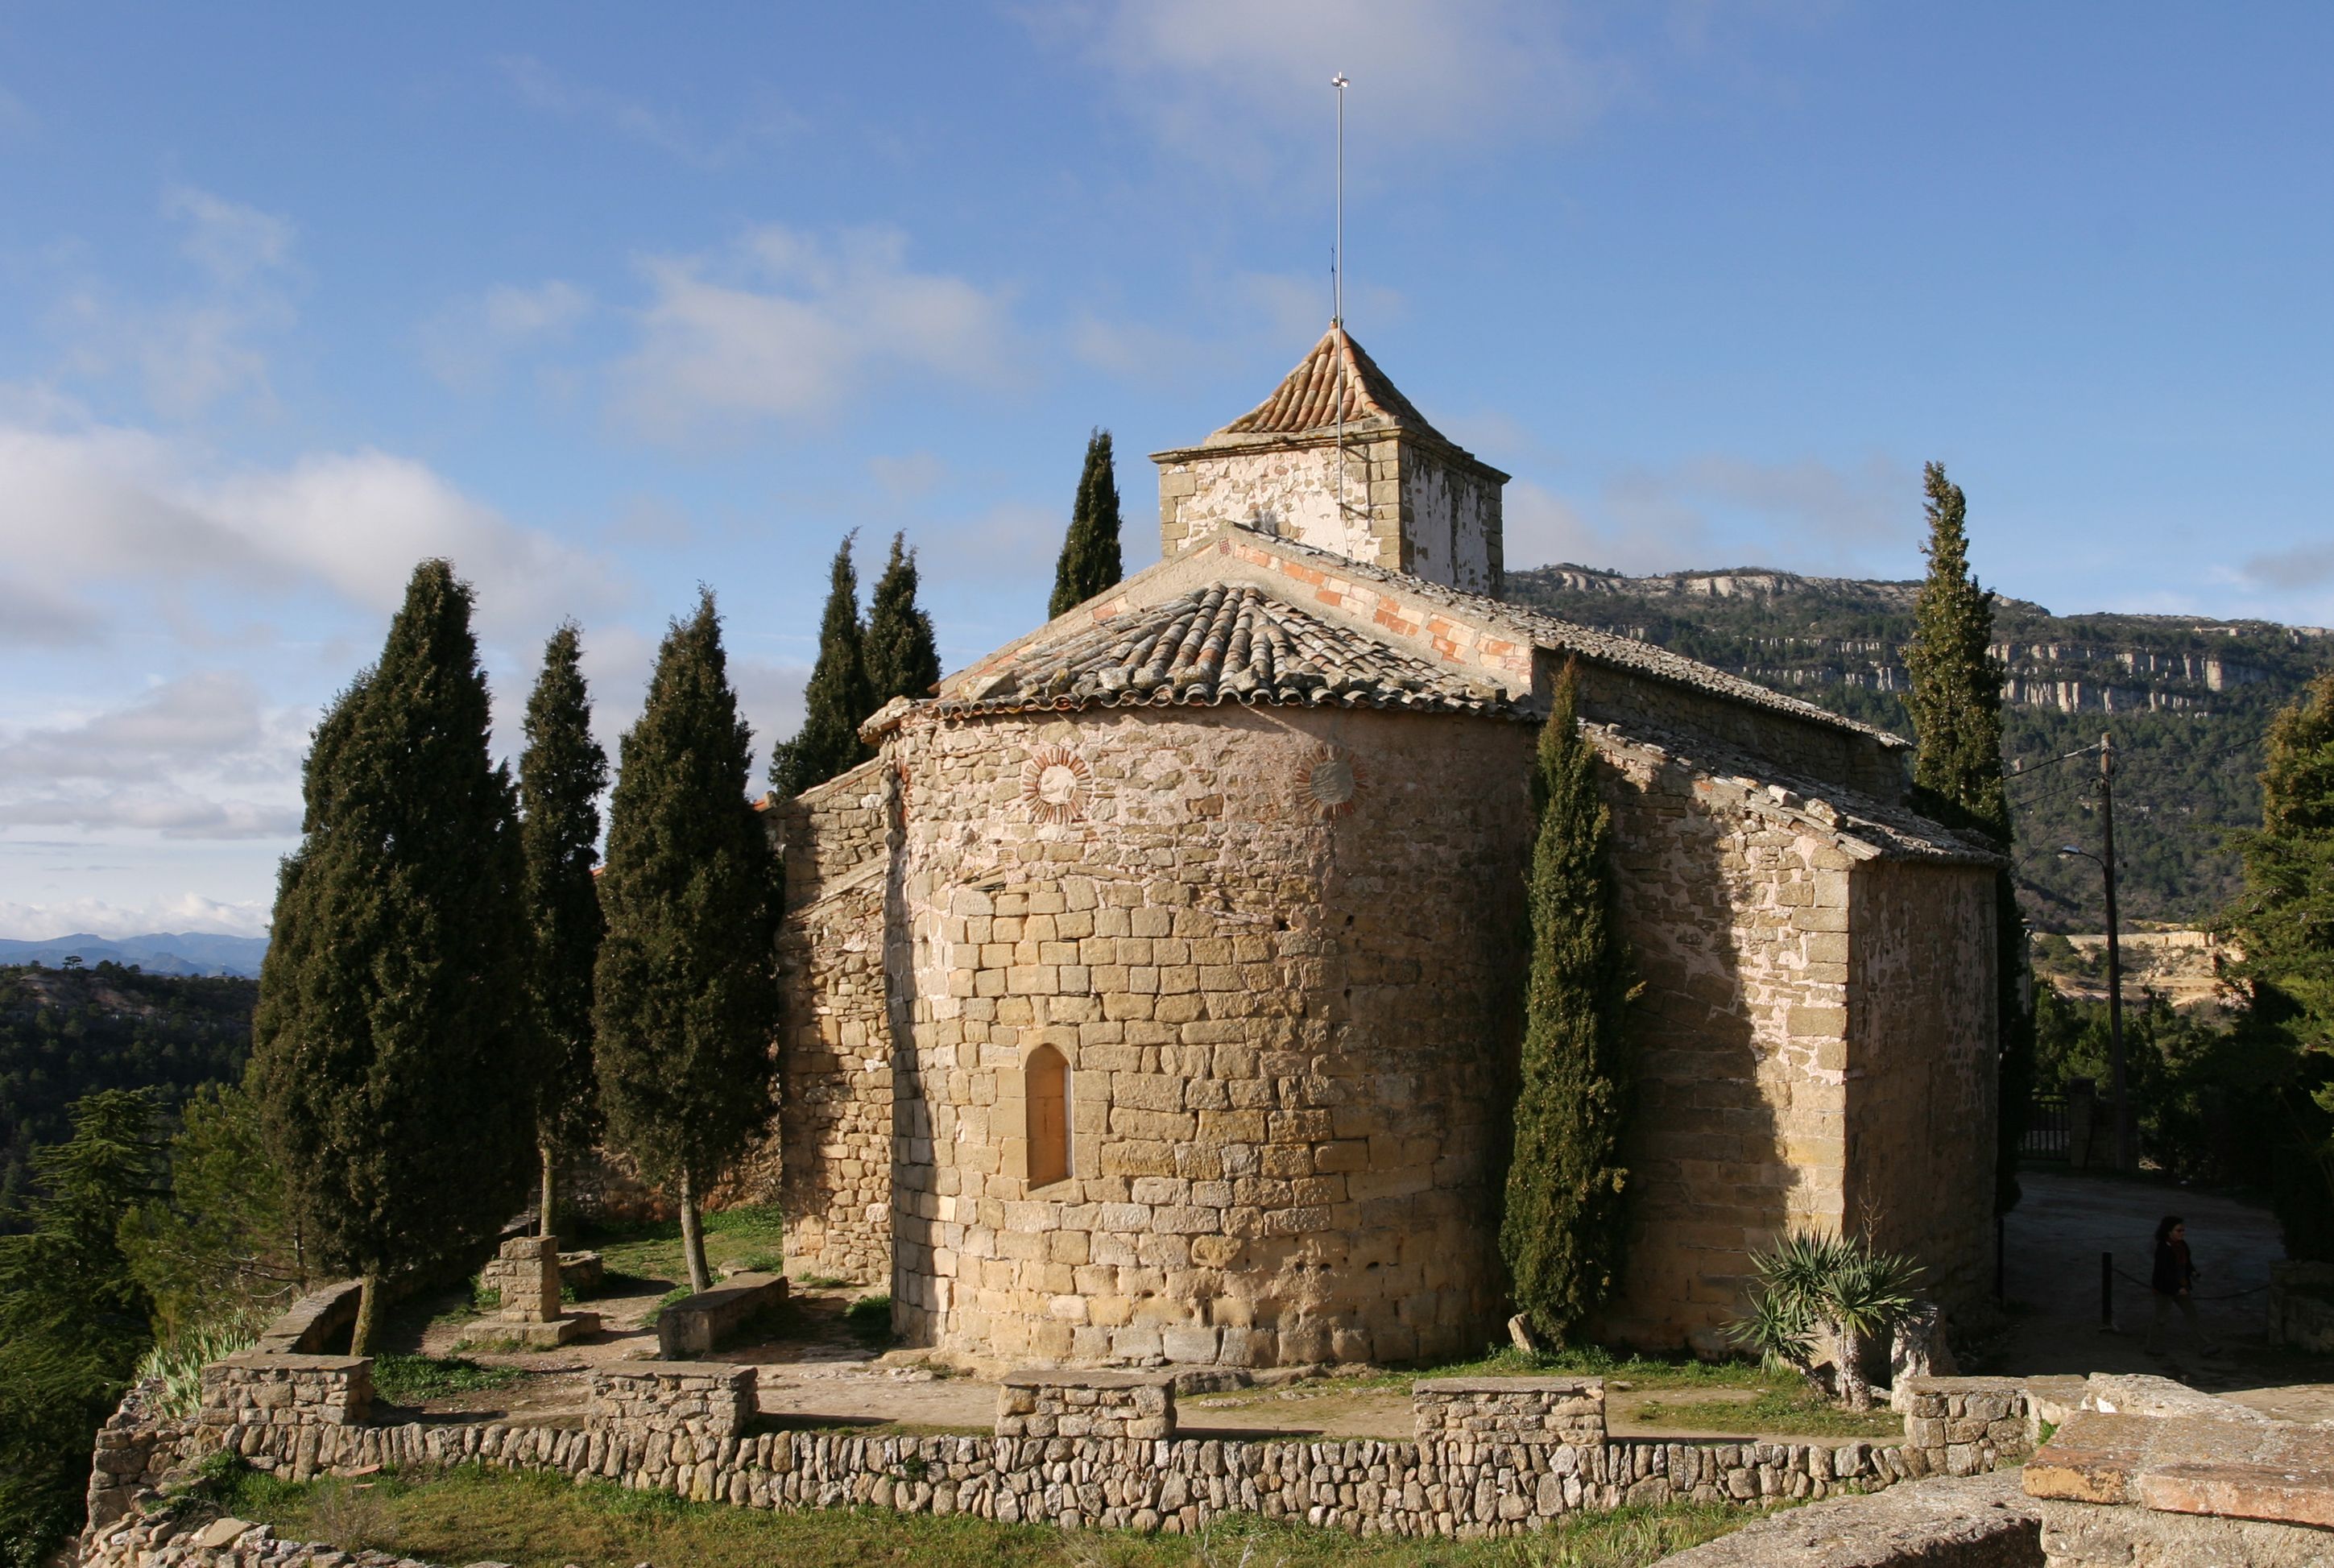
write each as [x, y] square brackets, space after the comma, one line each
[1057, 783]
[1329, 783]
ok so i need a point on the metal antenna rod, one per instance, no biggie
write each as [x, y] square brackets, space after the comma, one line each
[1337, 293]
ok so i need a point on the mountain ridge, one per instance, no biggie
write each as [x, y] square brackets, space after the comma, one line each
[196, 953]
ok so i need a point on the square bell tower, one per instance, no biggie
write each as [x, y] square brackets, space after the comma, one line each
[1338, 459]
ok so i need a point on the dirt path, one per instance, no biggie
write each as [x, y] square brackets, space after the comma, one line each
[2052, 1243]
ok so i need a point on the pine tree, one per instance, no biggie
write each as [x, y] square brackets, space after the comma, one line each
[686, 993]
[389, 1052]
[72, 1318]
[1090, 560]
[560, 777]
[902, 659]
[1955, 702]
[1561, 1231]
[838, 700]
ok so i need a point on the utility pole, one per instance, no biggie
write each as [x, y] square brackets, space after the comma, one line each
[2127, 1157]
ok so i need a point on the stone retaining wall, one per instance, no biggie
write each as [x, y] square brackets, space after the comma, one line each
[310, 1324]
[168, 1543]
[683, 1428]
[1510, 1409]
[1057, 1404]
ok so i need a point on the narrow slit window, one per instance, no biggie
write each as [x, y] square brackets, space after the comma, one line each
[1049, 1116]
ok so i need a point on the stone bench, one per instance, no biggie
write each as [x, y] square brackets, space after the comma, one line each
[1085, 1404]
[1538, 1410]
[314, 1321]
[694, 1325]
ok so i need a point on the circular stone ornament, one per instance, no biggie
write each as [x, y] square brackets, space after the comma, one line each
[1057, 783]
[1330, 783]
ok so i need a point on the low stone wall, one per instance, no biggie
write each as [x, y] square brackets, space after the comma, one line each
[167, 1542]
[1569, 1411]
[1082, 1404]
[683, 1426]
[1978, 1424]
[258, 1389]
[2302, 1305]
[309, 1326]
[136, 1447]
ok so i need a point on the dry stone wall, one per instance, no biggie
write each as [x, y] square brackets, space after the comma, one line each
[1510, 1409]
[835, 1059]
[1277, 949]
[1059, 1404]
[683, 1428]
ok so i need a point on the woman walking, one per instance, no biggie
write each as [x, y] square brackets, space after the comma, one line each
[2174, 1284]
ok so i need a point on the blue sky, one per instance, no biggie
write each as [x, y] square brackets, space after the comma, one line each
[605, 303]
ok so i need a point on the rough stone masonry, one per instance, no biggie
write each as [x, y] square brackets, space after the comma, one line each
[1154, 995]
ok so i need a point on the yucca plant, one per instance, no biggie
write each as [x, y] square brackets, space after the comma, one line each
[1814, 1288]
[179, 1362]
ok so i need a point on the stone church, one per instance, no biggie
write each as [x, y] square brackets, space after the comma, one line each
[1155, 993]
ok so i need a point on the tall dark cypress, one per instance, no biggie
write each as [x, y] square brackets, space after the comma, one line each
[686, 993]
[903, 658]
[1561, 1228]
[560, 777]
[838, 700]
[1090, 560]
[1955, 702]
[388, 1046]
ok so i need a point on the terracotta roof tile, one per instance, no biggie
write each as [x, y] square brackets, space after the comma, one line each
[1307, 400]
[1227, 643]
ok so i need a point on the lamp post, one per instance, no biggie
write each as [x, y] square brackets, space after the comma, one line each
[2116, 1091]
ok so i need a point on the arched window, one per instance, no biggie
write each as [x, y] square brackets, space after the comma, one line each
[1047, 1080]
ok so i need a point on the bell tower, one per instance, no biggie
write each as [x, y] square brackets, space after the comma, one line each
[1338, 459]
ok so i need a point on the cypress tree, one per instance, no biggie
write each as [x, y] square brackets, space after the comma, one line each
[560, 777]
[1561, 1231]
[1955, 702]
[388, 1046]
[2284, 927]
[1090, 560]
[686, 994]
[902, 659]
[838, 698]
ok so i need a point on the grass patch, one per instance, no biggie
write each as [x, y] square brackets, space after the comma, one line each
[650, 1249]
[1637, 1372]
[870, 1319]
[1795, 1412]
[410, 1380]
[538, 1520]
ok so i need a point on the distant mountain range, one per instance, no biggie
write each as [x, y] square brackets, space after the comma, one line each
[2186, 697]
[159, 953]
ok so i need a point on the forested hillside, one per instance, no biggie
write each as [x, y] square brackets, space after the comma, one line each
[2187, 700]
[67, 1033]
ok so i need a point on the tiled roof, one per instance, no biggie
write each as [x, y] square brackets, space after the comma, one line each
[1227, 643]
[1547, 631]
[1307, 400]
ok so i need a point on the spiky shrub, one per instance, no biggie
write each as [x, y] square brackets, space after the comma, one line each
[1817, 1291]
[178, 1364]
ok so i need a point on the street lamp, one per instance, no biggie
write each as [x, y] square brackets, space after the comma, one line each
[2115, 1092]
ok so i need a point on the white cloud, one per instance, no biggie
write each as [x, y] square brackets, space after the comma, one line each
[32, 617]
[466, 344]
[89, 504]
[2285, 570]
[1235, 79]
[1806, 516]
[182, 912]
[547, 92]
[205, 346]
[200, 758]
[788, 326]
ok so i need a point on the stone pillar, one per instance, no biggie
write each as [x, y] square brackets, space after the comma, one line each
[2082, 1119]
[1542, 1411]
[1085, 1404]
[1964, 1426]
[530, 1276]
